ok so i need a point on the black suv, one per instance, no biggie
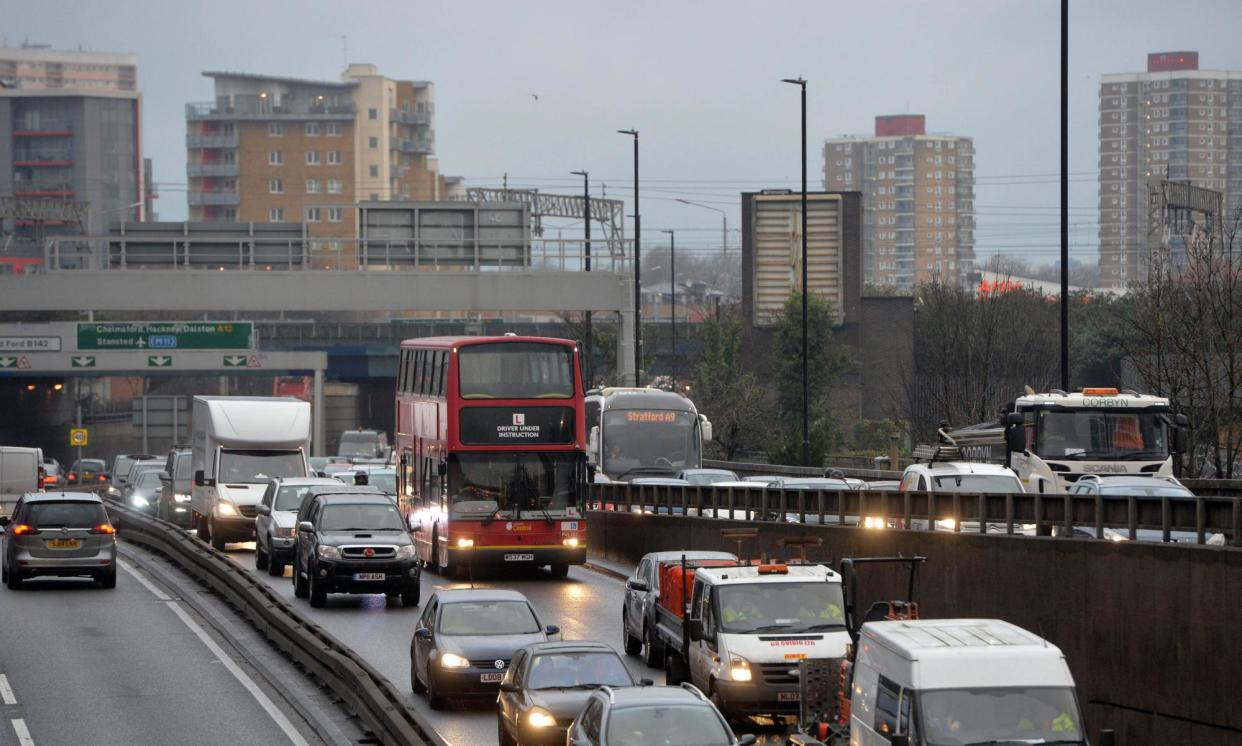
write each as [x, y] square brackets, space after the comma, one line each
[353, 540]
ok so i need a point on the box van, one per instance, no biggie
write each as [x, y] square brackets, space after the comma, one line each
[960, 681]
[19, 474]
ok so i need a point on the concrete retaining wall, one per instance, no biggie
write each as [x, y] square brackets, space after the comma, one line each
[1150, 630]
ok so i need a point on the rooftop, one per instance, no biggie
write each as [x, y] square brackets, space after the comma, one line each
[279, 79]
[465, 595]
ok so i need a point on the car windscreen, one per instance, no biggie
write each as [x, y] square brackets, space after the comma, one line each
[516, 370]
[684, 725]
[577, 670]
[386, 481]
[710, 478]
[290, 498]
[183, 467]
[122, 466]
[488, 618]
[260, 466]
[781, 607]
[1000, 715]
[987, 483]
[359, 444]
[67, 514]
[360, 517]
[149, 479]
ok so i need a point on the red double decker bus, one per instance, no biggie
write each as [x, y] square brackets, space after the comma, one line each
[491, 453]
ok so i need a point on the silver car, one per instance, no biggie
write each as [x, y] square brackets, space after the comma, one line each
[275, 524]
[58, 533]
[144, 492]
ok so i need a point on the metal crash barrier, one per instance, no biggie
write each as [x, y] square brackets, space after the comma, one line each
[364, 691]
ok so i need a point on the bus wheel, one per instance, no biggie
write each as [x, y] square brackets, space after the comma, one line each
[560, 569]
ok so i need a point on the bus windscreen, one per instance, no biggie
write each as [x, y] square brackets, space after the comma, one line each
[483, 485]
[516, 370]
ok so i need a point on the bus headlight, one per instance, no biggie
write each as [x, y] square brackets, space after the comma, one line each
[872, 521]
[739, 669]
[571, 542]
[464, 543]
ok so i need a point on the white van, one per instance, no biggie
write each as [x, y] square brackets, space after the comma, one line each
[960, 681]
[19, 474]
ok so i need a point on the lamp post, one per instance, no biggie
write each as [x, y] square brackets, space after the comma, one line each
[638, 261]
[806, 395]
[586, 221]
[724, 227]
[672, 283]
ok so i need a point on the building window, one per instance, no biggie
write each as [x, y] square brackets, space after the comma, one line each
[276, 215]
[312, 214]
[312, 129]
[373, 171]
[276, 186]
[334, 214]
[275, 158]
[334, 129]
[334, 157]
[372, 114]
[312, 157]
[275, 129]
[372, 142]
[334, 186]
[312, 186]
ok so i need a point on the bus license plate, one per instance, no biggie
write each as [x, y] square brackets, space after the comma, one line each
[788, 697]
[491, 678]
[369, 576]
[520, 557]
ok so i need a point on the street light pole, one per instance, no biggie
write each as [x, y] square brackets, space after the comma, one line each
[724, 232]
[672, 283]
[586, 220]
[638, 262]
[806, 390]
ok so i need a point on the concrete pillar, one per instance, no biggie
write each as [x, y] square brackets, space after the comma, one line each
[625, 349]
[319, 435]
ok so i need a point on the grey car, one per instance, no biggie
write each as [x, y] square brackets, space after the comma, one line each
[64, 534]
[143, 493]
[276, 521]
[651, 715]
[642, 593]
[176, 481]
[120, 471]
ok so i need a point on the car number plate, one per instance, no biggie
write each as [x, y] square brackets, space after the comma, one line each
[788, 697]
[491, 678]
[519, 557]
[369, 576]
[64, 543]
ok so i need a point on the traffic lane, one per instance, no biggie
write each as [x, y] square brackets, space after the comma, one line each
[118, 667]
[586, 605]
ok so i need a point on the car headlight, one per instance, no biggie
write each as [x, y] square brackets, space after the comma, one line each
[453, 660]
[113, 491]
[874, 522]
[181, 497]
[946, 524]
[405, 552]
[226, 508]
[139, 501]
[290, 532]
[739, 669]
[540, 718]
[327, 552]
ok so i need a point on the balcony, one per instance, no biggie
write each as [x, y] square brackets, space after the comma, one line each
[25, 188]
[406, 145]
[197, 199]
[211, 141]
[44, 128]
[212, 169]
[253, 107]
[413, 118]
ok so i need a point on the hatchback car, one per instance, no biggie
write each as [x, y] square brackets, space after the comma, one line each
[466, 638]
[65, 534]
[547, 686]
[176, 482]
[275, 525]
[652, 716]
[143, 493]
[88, 472]
[353, 540]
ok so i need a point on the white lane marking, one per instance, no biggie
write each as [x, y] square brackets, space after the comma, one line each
[6, 691]
[23, 733]
[266, 703]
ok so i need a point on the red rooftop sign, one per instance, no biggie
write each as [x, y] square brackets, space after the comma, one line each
[898, 125]
[1165, 61]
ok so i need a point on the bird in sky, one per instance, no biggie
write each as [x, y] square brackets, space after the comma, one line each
[535, 96]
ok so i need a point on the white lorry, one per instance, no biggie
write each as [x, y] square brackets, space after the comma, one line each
[1052, 439]
[239, 443]
[636, 432]
[742, 629]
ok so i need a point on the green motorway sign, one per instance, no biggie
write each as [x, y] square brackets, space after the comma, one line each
[166, 335]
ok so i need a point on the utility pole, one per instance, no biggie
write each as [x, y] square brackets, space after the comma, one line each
[586, 221]
[806, 389]
[1065, 377]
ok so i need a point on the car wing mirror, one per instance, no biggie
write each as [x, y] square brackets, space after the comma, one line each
[646, 682]
[552, 629]
[637, 585]
[262, 509]
[509, 686]
[750, 738]
[306, 526]
[900, 740]
[422, 633]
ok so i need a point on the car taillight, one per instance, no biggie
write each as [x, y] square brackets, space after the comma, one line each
[51, 479]
[24, 529]
[103, 477]
[103, 528]
[72, 476]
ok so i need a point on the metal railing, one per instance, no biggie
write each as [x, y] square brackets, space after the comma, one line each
[408, 145]
[409, 117]
[213, 169]
[260, 108]
[206, 252]
[211, 141]
[213, 198]
[1116, 517]
[381, 707]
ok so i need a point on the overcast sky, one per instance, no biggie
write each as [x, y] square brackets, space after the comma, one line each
[700, 80]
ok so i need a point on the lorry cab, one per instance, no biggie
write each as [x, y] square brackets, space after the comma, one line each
[750, 625]
[960, 681]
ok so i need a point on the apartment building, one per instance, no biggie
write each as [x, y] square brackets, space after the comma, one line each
[917, 196]
[70, 129]
[275, 149]
[1173, 121]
